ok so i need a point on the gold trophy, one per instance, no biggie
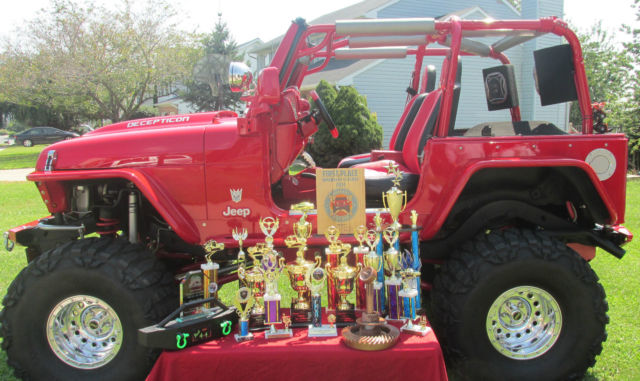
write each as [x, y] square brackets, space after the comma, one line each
[271, 266]
[300, 306]
[243, 302]
[360, 252]
[255, 281]
[343, 277]
[333, 253]
[375, 261]
[394, 199]
[210, 271]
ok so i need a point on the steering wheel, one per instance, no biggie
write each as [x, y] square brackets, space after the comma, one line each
[324, 114]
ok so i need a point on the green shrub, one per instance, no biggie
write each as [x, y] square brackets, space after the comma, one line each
[358, 127]
[4, 132]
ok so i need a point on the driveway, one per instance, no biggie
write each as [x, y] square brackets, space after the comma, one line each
[15, 174]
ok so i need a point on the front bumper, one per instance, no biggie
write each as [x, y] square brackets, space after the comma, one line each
[42, 234]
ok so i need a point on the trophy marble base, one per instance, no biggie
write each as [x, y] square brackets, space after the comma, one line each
[240, 338]
[300, 318]
[415, 329]
[322, 331]
[278, 334]
[345, 316]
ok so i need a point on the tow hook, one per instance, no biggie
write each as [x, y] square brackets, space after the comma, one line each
[8, 244]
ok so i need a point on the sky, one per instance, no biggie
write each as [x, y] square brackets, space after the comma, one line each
[248, 19]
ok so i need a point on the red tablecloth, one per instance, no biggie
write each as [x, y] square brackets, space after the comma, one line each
[301, 358]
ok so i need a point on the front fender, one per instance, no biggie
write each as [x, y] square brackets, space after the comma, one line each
[172, 212]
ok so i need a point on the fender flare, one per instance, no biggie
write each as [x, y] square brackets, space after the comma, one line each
[442, 211]
[172, 212]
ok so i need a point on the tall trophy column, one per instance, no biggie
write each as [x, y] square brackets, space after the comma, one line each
[360, 252]
[210, 271]
[333, 254]
[315, 281]
[393, 284]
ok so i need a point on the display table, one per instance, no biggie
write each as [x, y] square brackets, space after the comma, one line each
[301, 358]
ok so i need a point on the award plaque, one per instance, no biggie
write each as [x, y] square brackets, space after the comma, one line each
[315, 281]
[243, 303]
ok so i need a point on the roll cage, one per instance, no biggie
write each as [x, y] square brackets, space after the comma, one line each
[308, 49]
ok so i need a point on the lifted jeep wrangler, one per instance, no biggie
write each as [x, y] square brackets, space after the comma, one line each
[511, 212]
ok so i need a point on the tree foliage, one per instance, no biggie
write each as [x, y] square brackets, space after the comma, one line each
[90, 62]
[607, 68]
[358, 127]
[633, 115]
[208, 89]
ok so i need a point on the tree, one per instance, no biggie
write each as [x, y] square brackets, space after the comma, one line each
[208, 89]
[607, 68]
[358, 127]
[633, 116]
[92, 62]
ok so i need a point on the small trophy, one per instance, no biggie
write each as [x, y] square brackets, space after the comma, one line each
[269, 227]
[410, 303]
[243, 302]
[240, 236]
[315, 281]
[333, 253]
[255, 281]
[210, 271]
[371, 333]
[343, 278]
[394, 283]
[394, 199]
[375, 261]
[271, 266]
[360, 251]
[300, 306]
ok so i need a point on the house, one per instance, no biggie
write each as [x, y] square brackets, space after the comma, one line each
[384, 81]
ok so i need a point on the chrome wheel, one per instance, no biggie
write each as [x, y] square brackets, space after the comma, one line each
[84, 332]
[524, 322]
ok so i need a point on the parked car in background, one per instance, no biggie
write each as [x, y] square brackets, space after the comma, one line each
[42, 135]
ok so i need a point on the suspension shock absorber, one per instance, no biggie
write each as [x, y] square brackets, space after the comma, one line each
[107, 225]
[133, 215]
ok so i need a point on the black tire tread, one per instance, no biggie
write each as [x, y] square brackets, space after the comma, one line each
[131, 265]
[462, 271]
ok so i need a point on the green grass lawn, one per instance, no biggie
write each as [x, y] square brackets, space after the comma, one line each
[14, 157]
[620, 358]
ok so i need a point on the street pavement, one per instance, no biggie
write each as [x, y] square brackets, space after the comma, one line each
[15, 174]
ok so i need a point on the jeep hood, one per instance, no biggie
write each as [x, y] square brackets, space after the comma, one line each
[149, 142]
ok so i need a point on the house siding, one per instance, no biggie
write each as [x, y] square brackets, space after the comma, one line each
[384, 84]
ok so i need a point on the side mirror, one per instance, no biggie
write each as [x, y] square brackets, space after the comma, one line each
[240, 77]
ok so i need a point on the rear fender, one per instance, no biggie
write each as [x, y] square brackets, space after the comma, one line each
[172, 212]
[442, 210]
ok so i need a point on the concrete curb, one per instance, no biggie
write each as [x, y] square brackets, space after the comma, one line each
[15, 174]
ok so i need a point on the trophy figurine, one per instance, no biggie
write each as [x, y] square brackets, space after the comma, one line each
[269, 227]
[243, 302]
[360, 252]
[210, 271]
[371, 333]
[333, 253]
[379, 249]
[300, 305]
[271, 266]
[315, 281]
[343, 278]
[394, 283]
[394, 199]
[410, 303]
[240, 236]
[375, 261]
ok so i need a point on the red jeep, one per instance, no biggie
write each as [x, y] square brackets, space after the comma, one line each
[511, 212]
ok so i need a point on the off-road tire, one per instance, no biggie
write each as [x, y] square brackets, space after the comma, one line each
[483, 269]
[27, 142]
[127, 277]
